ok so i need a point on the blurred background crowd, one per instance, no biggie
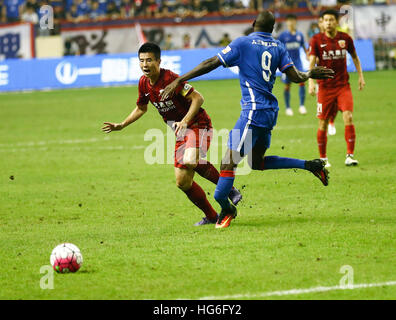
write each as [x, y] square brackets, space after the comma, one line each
[96, 10]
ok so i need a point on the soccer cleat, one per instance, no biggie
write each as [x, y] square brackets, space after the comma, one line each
[302, 110]
[226, 217]
[205, 220]
[331, 129]
[235, 196]
[327, 163]
[317, 167]
[289, 112]
[350, 161]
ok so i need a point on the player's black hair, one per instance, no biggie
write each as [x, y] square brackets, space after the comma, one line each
[332, 12]
[264, 22]
[150, 47]
[291, 16]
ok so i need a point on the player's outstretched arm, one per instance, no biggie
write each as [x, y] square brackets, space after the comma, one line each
[135, 115]
[297, 76]
[196, 102]
[203, 68]
[358, 66]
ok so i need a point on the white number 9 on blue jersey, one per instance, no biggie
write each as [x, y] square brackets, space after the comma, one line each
[266, 65]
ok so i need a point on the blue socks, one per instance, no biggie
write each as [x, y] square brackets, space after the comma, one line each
[286, 94]
[223, 188]
[302, 95]
[275, 162]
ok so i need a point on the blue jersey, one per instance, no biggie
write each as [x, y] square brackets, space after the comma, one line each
[258, 56]
[293, 43]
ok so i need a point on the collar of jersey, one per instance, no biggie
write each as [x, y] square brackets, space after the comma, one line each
[261, 33]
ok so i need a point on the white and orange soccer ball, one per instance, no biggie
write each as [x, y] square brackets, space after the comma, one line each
[66, 258]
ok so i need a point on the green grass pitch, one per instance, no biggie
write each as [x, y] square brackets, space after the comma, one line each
[63, 180]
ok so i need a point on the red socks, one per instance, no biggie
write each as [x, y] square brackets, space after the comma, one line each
[350, 138]
[198, 197]
[322, 142]
[207, 171]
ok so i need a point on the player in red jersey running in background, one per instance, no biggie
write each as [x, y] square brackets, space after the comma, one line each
[191, 123]
[330, 48]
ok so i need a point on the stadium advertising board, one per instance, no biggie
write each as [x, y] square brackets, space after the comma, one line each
[120, 69]
[16, 41]
[375, 22]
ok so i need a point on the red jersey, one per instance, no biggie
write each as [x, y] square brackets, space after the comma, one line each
[174, 108]
[332, 53]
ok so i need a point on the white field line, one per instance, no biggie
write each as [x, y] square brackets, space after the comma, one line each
[44, 143]
[299, 291]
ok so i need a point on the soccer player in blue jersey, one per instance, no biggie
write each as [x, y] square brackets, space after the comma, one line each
[258, 56]
[294, 41]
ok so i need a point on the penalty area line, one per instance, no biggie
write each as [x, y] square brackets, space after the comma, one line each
[300, 291]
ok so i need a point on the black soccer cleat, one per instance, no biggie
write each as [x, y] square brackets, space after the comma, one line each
[317, 167]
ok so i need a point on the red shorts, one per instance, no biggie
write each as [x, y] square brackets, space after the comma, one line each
[198, 136]
[330, 100]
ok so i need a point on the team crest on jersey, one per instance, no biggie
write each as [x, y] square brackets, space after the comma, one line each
[226, 50]
[341, 43]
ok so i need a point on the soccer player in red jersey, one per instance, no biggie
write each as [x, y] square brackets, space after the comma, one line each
[330, 48]
[191, 124]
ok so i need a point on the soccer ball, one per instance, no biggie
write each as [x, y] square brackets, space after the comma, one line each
[66, 258]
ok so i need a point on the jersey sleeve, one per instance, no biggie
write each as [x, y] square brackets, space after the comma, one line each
[184, 89]
[230, 55]
[143, 98]
[302, 41]
[285, 61]
[350, 45]
[313, 47]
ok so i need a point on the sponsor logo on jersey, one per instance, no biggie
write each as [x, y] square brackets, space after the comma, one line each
[226, 50]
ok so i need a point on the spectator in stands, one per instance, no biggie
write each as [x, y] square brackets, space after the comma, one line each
[182, 9]
[227, 7]
[127, 9]
[198, 9]
[140, 7]
[167, 43]
[112, 11]
[152, 9]
[225, 40]
[212, 5]
[291, 4]
[314, 6]
[32, 3]
[59, 15]
[30, 15]
[96, 12]
[186, 41]
[313, 29]
[3, 14]
[13, 10]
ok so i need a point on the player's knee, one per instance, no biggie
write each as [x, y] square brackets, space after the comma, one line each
[347, 115]
[323, 124]
[183, 183]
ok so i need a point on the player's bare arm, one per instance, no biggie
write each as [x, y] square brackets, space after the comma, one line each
[311, 83]
[297, 76]
[203, 68]
[135, 115]
[196, 102]
[358, 66]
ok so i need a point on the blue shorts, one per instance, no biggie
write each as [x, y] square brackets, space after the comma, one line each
[252, 129]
